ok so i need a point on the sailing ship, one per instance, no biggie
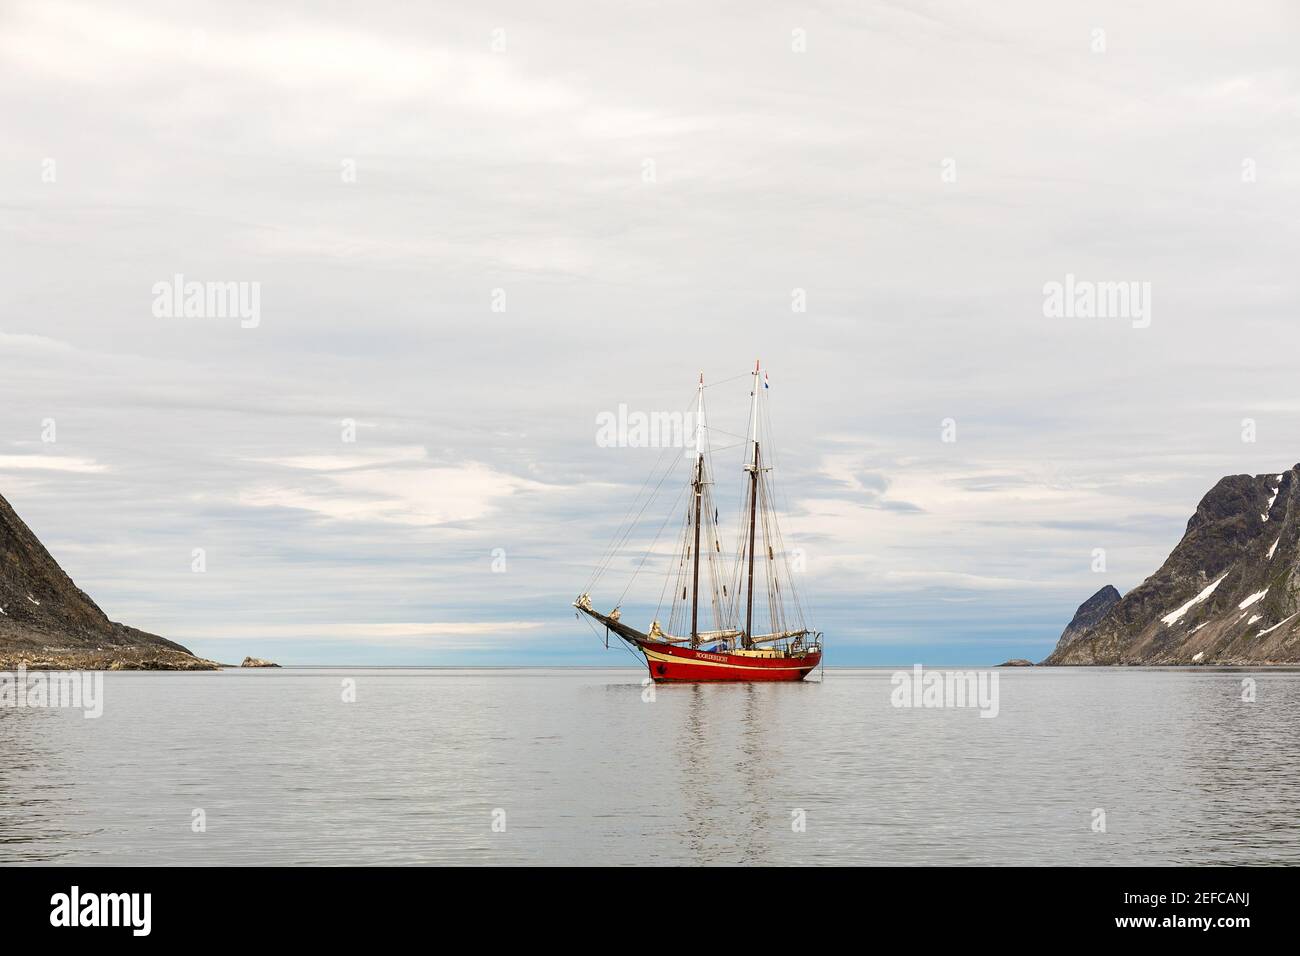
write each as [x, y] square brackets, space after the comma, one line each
[787, 649]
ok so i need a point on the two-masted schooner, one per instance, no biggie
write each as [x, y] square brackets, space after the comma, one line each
[786, 649]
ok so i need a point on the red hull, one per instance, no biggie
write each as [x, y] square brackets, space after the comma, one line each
[669, 662]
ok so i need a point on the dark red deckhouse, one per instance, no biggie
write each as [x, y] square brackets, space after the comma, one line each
[789, 649]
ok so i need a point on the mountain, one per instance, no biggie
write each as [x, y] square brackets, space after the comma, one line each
[47, 621]
[1090, 612]
[1229, 593]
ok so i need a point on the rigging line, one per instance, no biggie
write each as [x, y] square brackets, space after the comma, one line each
[726, 380]
[789, 573]
[769, 580]
[612, 548]
[710, 592]
[621, 642]
[624, 539]
[668, 576]
[649, 477]
[629, 522]
[799, 605]
[631, 527]
[723, 431]
[655, 541]
[742, 546]
[680, 578]
[681, 606]
[778, 496]
[625, 530]
[748, 519]
[710, 511]
[714, 550]
[779, 542]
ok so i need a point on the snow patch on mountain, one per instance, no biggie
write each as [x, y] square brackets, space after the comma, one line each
[1173, 617]
[1270, 501]
[1253, 598]
[1270, 630]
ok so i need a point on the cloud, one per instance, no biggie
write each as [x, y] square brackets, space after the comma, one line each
[362, 458]
[418, 496]
[50, 463]
[956, 581]
[23, 342]
[438, 635]
[81, 43]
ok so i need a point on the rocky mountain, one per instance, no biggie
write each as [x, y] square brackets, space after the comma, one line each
[1229, 593]
[1090, 612]
[47, 621]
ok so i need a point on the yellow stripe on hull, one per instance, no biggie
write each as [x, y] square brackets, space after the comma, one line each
[697, 662]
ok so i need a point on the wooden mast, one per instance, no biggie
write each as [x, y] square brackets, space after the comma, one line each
[695, 588]
[753, 509]
[699, 495]
[753, 514]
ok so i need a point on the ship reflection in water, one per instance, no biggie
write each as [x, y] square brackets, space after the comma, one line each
[599, 766]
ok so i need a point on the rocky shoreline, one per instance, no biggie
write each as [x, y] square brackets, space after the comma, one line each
[114, 659]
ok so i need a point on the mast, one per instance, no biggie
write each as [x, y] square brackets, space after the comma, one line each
[753, 513]
[699, 494]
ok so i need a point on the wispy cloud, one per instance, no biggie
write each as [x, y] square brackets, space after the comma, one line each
[440, 635]
[419, 496]
[50, 463]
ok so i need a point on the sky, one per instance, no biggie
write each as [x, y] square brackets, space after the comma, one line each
[474, 229]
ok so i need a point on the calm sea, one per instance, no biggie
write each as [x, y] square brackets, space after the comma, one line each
[573, 766]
